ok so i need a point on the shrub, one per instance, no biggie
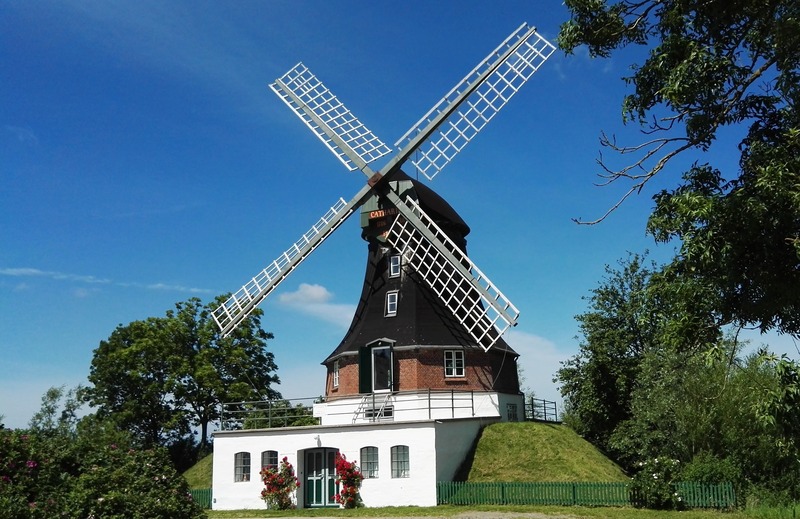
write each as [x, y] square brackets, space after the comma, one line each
[349, 479]
[653, 486]
[279, 484]
[71, 474]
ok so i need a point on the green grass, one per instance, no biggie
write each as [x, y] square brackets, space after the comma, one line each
[560, 512]
[199, 475]
[532, 451]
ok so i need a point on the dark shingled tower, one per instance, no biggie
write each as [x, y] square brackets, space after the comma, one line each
[418, 330]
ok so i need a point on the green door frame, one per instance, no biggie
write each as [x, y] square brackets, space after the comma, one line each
[320, 477]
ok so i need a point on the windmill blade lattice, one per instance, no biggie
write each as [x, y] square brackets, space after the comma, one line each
[455, 120]
[492, 83]
[238, 306]
[318, 108]
[476, 302]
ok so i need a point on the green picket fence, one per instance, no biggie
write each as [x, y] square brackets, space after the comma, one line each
[202, 496]
[703, 495]
[694, 495]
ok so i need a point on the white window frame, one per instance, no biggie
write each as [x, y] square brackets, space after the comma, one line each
[401, 461]
[335, 373]
[241, 467]
[452, 369]
[392, 302]
[385, 385]
[369, 462]
[395, 262]
[265, 459]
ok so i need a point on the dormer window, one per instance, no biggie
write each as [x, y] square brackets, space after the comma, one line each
[394, 266]
[391, 303]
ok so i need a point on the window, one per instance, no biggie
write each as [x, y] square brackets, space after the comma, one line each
[382, 373]
[394, 266]
[400, 465]
[269, 459]
[369, 462]
[511, 412]
[454, 363]
[391, 303]
[241, 466]
[335, 373]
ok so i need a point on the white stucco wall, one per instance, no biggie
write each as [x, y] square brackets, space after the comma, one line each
[436, 450]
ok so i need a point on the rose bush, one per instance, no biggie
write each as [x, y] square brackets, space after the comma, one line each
[279, 485]
[349, 479]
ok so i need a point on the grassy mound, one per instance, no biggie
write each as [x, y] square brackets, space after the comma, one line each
[199, 475]
[531, 451]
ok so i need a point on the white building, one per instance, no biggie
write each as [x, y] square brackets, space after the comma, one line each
[407, 390]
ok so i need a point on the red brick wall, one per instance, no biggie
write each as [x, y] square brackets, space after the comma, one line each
[424, 369]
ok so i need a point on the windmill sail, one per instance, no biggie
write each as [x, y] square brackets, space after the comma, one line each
[238, 306]
[475, 301]
[437, 137]
[319, 109]
[472, 103]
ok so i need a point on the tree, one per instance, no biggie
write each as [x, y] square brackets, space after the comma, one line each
[711, 65]
[636, 313]
[159, 377]
[134, 376]
[216, 369]
[597, 382]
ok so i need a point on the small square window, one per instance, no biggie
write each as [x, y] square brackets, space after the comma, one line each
[391, 303]
[454, 363]
[335, 373]
[400, 461]
[394, 266]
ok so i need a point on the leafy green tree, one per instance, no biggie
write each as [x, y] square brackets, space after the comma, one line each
[214, 369]
[159, 377]
[617, 330]
[711, 65]
[637, 316]
[135, 377]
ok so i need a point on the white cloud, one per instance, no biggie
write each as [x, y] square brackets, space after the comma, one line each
[32, 272]
[314, 300]
[307, 294]
[22, 134]
[79, 278]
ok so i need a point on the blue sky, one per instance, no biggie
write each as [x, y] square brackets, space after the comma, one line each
[144, 161]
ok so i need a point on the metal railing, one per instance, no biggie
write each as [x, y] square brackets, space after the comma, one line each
[540, 410]
[404, 405]
[267, 414]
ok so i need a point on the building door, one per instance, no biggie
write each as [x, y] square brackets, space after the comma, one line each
[320, 483]
[376, 367]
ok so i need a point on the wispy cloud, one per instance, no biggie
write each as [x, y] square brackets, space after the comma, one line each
[22, 134]
[27, 272]
[170, 37]
[579, 61]
[315, 300]
[61, 276]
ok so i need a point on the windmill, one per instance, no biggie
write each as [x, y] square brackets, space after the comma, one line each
[399, 220]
